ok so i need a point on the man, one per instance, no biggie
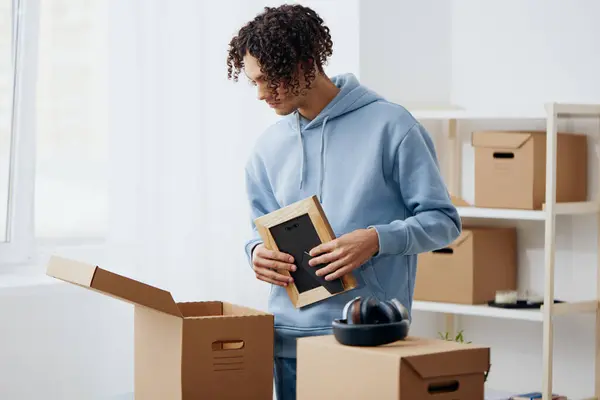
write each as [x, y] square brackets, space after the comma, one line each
[371, 164]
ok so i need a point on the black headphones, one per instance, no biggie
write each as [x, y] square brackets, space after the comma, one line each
[371, 322]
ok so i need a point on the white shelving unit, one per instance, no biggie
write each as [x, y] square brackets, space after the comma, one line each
[551, 112]
[493, 312]
[588, 207]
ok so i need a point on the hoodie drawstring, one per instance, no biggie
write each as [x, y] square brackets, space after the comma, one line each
[302, 155]
[321, 155]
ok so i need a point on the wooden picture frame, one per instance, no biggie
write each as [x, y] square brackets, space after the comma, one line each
[295, 229]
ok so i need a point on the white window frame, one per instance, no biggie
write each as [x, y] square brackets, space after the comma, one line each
[19, 246]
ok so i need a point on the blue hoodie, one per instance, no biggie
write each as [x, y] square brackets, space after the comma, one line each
[371, 164]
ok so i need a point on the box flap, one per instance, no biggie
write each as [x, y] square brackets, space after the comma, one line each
[464, 235]
[114, 285]
[500, 140]
[450, 362]
[459, 201]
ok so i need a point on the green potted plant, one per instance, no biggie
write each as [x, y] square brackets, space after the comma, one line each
[459, 338]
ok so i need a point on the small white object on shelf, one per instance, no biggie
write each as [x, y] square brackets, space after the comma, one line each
[506, 297]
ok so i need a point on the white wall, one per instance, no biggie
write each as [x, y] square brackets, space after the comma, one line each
[60, 342]
[503, 55]
[520, 52]
[405, 49]
[477, 54]
[177, 209]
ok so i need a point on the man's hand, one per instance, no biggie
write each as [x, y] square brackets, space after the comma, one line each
[345, 253]
[265, 264]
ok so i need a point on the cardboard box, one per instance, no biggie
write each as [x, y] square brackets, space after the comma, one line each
[409, 369]
[479, 262]
[510, 169]
[192, 350]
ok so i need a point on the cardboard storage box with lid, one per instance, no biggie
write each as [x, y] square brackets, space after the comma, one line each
[510, 169]
[481, 261]
[192, 350]
[410, 369]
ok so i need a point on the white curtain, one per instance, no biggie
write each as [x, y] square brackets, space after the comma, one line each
[180, 136]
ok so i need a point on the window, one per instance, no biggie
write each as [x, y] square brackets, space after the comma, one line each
[17, 154]
[53, 141]
[7, 39]
[72, 140]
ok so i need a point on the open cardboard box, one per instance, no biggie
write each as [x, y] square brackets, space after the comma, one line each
[191, 350]
[410, 369]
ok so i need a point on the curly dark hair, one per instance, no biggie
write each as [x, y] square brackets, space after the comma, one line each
[281, 39]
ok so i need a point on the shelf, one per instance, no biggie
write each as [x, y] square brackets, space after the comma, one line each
[506, 313]
[446, 112]
[499, 213]
[586, 207]
[577, 110]
[477, 310]
[575, 307]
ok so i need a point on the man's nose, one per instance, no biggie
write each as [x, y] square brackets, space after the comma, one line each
[261, 95]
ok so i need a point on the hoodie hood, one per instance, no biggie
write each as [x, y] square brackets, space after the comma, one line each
[351, 97]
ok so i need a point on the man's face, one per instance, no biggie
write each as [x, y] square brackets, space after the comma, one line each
[284, 104]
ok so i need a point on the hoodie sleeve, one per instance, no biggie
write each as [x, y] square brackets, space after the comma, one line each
[433, 220]
[261, 201]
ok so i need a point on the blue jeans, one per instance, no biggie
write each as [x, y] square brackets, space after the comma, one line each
[284, 370]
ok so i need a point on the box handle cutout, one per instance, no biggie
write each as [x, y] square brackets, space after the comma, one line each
[504, 155]
[443, 387]
[221, 345]
[446, 250]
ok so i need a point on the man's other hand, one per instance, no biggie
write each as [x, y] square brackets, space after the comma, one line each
[266, 264]
[345, 253]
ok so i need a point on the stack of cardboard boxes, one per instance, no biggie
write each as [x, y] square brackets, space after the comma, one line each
[510, 173]
[218, 350]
